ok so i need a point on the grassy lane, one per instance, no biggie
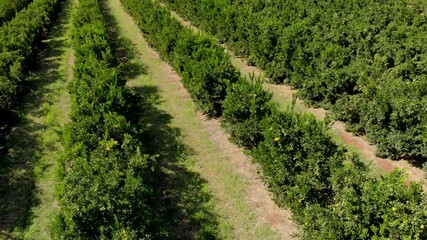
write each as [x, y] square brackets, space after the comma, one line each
[202, 192]
[27, 183]
[284, 95]
[183, 205]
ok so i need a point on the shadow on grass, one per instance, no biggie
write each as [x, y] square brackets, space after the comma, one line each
[17, 175]
[182, 204]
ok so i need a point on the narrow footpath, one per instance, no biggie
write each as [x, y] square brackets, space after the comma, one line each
[240, 198]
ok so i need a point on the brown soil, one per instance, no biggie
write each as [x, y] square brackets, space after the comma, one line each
[286, 93]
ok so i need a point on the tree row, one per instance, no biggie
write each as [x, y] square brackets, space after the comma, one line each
[19, 40]
[104, 190]
[331, 192]
[363, 60]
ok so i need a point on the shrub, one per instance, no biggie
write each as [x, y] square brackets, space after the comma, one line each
[9, 8]
[297, 157]
[245, 107]
[105, 190]
[370, 208]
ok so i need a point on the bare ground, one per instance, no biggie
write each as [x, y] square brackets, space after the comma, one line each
[286, 93]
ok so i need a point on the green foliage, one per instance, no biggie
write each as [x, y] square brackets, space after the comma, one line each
[370, 54]
[18, 40]
[297, 157]
[246, 105]
[105, 190]
[205, 69]
[8, 9]
[332, 194]
[370, 208]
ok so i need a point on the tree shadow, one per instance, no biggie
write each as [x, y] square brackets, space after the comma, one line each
[182, 205]
[18, 191]
[127, 57]
[417, 161]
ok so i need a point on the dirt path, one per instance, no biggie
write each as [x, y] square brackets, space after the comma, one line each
[283, 94]
[241, 198]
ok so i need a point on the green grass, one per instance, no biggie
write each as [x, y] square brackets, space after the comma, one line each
[204, 196]
[183, 204]
[29, 201]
